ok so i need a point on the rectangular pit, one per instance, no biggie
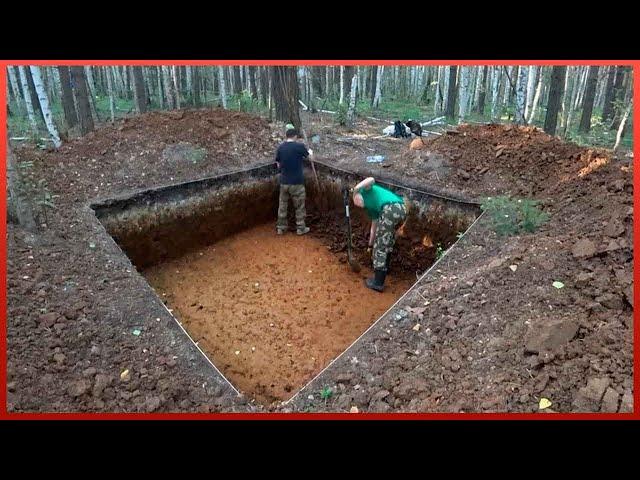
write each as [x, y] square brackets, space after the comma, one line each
[272, 311]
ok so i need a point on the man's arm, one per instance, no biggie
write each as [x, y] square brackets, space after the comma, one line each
[366, 184]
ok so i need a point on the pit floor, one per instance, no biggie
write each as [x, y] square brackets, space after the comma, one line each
[271, 311]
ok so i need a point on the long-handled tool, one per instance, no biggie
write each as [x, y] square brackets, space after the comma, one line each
[355, 266]
[313, 165]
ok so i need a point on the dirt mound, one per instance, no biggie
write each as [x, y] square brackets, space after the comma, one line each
[187, 143]
[522, 159]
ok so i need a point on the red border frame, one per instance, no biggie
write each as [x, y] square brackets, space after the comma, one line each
[4, 415]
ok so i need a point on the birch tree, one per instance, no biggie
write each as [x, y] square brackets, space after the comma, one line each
[464, 93]
[531, 86]
[222, 88]
[508, 85]
[112, 108]
[44, 105]
[341, 84]
[494, 91]
[536, 97]
[622, 125]
[521, 94]
[14, 85]
[92, 93]
[27, 100]
[351, 112]
[160, 96]
[168, 88]
[195, 86]
[483, 90]
[378, 94]
[176, 85]
[437, 104]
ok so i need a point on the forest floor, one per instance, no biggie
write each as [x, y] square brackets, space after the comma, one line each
[485, 331]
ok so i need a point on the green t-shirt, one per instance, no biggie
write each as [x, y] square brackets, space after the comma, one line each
[377, 197]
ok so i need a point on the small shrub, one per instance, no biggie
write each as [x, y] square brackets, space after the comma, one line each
[511, 216]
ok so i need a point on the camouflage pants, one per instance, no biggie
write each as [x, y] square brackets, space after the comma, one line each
[297, 194]
[392, 215]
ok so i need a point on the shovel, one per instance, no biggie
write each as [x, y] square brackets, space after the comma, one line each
[355, 266]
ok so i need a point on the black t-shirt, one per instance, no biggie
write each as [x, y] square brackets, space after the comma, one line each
[290, 156]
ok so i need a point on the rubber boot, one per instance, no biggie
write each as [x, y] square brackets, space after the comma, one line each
[302, 230]
[377, 282]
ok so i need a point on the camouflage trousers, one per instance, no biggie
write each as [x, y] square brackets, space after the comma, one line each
[392, 215]
[297, 194]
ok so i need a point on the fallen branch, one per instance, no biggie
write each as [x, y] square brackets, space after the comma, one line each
[30, 138]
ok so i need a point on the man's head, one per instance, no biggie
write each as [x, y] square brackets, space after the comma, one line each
[358, 200]
[291, 134]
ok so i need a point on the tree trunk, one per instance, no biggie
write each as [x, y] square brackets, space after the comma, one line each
[622, 125]
[536, 98]
[82, 100]
[483, 90]
[112, 106]
[465, 75]
[18, 200]
[573, 97]
[351, 113]
[237, 81]
[617, 94]
[68, 105]
[327, 87]
[286, 95]
[341, 84]
[189, 75]
[508, 74]
[531, 88]
[138, 93]
[495, 90]
[28, 100]
[252, 82]
[195, 86]
[437, 103]
[44, 105]
[451, 94]
[222, 87]
[589, 97]
[555, 97]
[581, 88]
[264, 85]
[176, 86]
[47, 81]
[521, 95]
[92, 94]
[378, 94]
[16, 89]
[160, 95]
[607, 108]
[168, 88]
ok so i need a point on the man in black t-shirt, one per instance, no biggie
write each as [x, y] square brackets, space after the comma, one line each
[290, 157]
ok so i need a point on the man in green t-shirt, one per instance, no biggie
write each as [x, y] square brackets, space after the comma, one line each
[387, 212]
